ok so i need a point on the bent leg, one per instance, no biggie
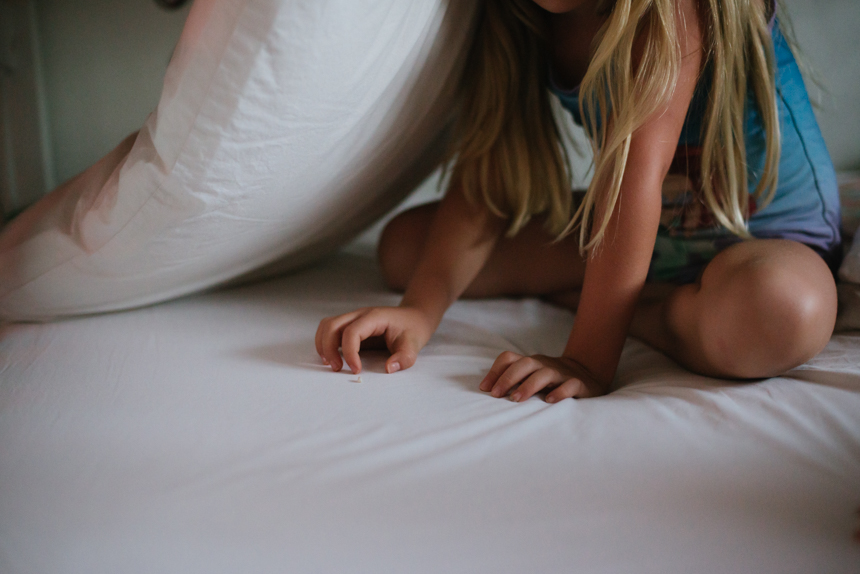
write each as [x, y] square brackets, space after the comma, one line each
[529, 264]
[762, 307]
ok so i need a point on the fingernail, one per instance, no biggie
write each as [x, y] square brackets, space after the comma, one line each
[482, 386]
[393, 368]
[324, 360]
[516, 397]
[551, 399]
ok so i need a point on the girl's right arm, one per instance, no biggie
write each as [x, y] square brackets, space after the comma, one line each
[459, 242]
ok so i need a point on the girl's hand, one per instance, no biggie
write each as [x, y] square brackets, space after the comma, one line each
[566, 377]
[405, 331]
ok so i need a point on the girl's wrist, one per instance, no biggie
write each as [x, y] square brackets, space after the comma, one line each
[429, 296]
[432, 314]
[604, 380]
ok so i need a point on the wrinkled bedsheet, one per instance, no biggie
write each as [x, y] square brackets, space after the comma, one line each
[205, 436]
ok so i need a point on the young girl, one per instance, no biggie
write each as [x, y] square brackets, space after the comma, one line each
[708, 229]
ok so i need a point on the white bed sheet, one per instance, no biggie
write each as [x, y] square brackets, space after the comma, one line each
[204, 436]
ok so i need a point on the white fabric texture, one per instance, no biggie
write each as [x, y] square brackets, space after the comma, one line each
[204, 436]
[284, 128]
[849, 191]
[850, 268]
[848, 318]
[849, 272]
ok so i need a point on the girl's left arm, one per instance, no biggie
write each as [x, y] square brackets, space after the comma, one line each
[616, 272]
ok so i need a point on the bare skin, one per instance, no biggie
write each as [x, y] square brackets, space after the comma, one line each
[760, 308]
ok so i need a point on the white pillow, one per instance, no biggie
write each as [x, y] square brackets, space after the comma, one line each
[284, 128]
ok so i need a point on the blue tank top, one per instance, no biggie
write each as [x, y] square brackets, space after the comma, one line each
[805, 207]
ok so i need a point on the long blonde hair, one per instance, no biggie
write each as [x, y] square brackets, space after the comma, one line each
[508, 150]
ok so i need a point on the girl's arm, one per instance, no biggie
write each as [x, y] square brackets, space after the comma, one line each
[616, 273]
[459, 241]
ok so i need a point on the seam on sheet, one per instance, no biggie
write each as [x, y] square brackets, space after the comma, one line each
[184, 145]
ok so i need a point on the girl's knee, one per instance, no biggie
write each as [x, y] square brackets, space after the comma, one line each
[766, 313]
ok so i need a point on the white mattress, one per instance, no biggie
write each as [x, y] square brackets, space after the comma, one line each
[204, 436]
